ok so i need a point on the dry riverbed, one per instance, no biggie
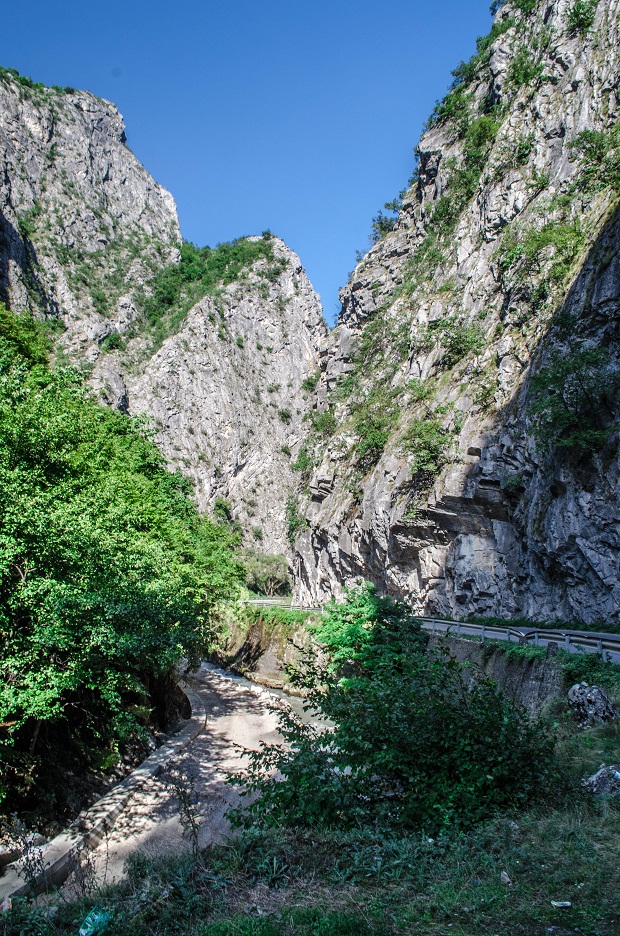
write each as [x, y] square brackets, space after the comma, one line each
[238, 717]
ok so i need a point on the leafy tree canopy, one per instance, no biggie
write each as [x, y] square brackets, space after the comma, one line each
[108, 575]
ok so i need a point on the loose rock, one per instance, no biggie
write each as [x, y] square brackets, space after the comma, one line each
[591, 704]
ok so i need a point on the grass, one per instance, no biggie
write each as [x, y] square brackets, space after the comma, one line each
[328, 882]
[369, 882]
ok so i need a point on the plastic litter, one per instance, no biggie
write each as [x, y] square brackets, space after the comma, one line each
[96, 922]
[561, 904]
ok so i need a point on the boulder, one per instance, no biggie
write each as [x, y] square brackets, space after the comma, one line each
[590, 704]
[605, 781]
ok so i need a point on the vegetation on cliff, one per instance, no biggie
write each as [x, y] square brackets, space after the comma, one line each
[167, 298]
[108, 575]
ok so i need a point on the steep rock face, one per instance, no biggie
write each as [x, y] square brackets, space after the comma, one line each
[227, 398]
[443, 475]
[85, 232]
[82, 223]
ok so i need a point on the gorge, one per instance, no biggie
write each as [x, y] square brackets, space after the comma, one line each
[414, 444]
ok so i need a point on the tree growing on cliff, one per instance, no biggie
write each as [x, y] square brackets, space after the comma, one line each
[414, 743]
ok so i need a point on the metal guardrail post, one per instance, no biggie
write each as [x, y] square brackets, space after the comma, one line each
[599, 647]
[567, 640]
[458, 628]
[483, 631]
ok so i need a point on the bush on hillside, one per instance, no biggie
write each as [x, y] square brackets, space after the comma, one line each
[412, 744]
[108, 575]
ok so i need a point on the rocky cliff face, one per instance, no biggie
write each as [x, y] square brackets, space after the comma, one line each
[464, 451]
[455, 438]
[226, 392]
[82, 223]
[85, 234]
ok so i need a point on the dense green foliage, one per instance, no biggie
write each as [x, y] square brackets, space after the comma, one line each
[581, 16]
[200, 271]
[266, 574]
[428, 441]
[523, 69]
[412, 745]
[571, 400]
[107, 573]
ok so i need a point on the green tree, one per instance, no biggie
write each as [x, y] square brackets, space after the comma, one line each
[108, 575]
[412, 744]
[266, 574]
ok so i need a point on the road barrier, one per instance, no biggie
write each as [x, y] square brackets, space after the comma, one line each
[606, 645]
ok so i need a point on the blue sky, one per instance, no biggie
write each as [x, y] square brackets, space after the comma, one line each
[297, 117]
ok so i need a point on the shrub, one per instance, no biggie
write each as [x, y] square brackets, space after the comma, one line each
[304, 461]
[310, 383]
[222, 510]
[427, 440]
[459, 339]
[581, 16]
[523, 70]
[112, 342]
[412, 745]
[26, 222]
[520, 252]
[599, 158]
[383, 224]
[323, 423]
[294, 520]
[571, 400]
[285, 415]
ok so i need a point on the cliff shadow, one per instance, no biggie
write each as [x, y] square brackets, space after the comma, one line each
[526, 525]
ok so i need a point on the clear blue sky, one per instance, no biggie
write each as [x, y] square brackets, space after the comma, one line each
[298, 117]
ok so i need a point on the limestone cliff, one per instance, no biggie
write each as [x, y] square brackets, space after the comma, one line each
[464, 451]
[89, 241]
[226, 393]
[82, 223]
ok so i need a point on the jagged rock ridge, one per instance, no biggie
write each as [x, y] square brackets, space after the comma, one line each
[433, 476]
[84, 230]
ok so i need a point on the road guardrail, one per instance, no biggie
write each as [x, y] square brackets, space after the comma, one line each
[605, 645]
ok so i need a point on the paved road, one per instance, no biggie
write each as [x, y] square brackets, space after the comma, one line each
[238, 715]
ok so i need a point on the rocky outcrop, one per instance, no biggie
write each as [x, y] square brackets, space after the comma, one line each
[84, 229]
[82, 223]
[531, 682]
[605, 782]
[441, 481]
[590, 704]
[226, 394]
